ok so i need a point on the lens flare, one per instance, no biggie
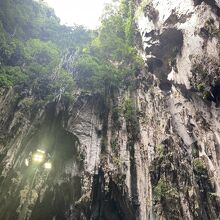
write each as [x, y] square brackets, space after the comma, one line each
[48, 165]
[38, 157]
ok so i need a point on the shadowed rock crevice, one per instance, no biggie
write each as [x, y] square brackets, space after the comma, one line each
[58, 201]
[110, 204]
[169, 43]
[162, 53]
[212, 3]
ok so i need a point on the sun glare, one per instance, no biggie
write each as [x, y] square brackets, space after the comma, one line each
[81, 12]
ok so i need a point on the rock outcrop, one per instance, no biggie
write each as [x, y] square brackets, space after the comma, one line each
[150, 151]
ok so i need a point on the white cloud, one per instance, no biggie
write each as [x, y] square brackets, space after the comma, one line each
[83, 12]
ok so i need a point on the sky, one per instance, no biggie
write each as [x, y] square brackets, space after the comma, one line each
[82, 12]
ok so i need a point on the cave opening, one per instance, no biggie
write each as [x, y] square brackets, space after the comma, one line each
[33, 192]
[64, 181]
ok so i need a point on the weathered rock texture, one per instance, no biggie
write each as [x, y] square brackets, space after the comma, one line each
[150, 151]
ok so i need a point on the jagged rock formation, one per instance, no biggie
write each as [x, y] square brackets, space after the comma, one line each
[147, 152]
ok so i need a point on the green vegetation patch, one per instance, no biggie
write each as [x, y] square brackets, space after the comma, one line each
[10, 75]
[53, 60]
[160, 150]
[131, 120]
[163, 190]
[111, 57]
[199, 166]
[209, 30]
[205, 75]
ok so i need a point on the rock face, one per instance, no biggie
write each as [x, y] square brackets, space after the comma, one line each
[147, 152]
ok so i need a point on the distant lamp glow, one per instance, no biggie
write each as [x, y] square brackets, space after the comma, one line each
[41, 151]
[38, 157]
[48, 165]
[26, 162]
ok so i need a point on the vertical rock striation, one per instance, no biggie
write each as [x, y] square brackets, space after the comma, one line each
[150, 151]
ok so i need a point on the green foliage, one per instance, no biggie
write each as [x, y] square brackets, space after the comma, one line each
[92, 74]
[209, 30]
[40, 51]
[64, 85]
[206, 95]
[115, 118]
[39, 65]
[104, 144]
[25, 19]
[205, 74]
[160, 150]
[10, 48]
[116, 35]
[27, 102]
[111, 56]
[114, 145]
[117, 161]
[32, 43]
[11, 75]
[129, 110]
[41, 57]
[72, 37]
[201, 87]
[163, 190]
[199, 166]
[131, 119]
[213, 195]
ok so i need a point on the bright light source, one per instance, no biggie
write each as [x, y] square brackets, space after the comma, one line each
[38, 157]
[48, 165]
[26, 162]
[40, 151]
